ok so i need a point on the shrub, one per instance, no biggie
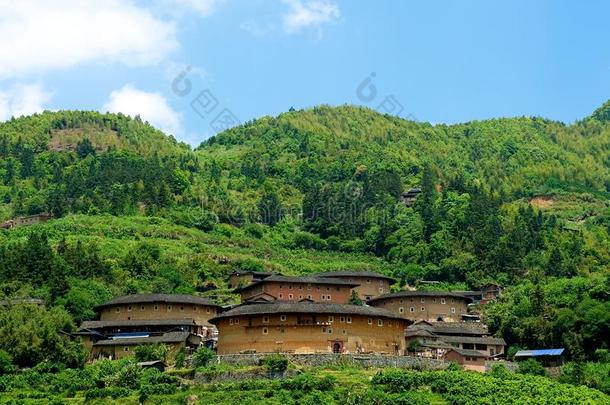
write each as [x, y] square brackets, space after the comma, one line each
[150, 352]
[306, 240]
[203, 356]
[6, 363]
[531, 366]
[180, 358]
[276, 363]
[500, 371]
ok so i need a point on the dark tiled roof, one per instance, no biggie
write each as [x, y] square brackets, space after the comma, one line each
[419, 332]
[299, 280]
[138, 322]
[166, 298]
[348, 273]
[457, 328]
[414, 294]
[305, 308]
[485, 340]
[468, 352]
[170, 337]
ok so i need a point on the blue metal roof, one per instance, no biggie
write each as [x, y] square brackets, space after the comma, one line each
[539, 352]
[127, 335]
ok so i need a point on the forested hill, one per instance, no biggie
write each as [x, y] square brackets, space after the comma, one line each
[519, 201]
[522, 156]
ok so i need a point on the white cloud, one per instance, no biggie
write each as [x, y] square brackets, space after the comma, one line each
[41, 35]
[22, 99]
[309, 14]
[151, 107]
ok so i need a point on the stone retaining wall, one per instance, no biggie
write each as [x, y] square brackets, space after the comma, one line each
[331, 358]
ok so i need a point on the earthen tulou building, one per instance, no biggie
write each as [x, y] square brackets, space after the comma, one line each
[432, 306]
[304, 314]
[180, 321]
[309, 327]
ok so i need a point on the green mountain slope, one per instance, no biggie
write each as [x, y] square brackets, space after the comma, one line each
[520, 201]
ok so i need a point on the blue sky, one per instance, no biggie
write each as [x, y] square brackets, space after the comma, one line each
[439, 61]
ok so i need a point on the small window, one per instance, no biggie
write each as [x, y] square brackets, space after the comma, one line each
[342, 319]
[207, 310]
[290, 296]
[369, 321]
[423, 309]
[323, 297]
[401, 310]
[142, 308]
[452, 300]
[281, 286]
[379, 322]
[412, 309]
[236, 321]
[344, 332]
[324, 329]
[126, 348]
[169, 307]
[328, 297]
[368, 281]
[443, 301]
[265, 331]
[453, 310]
[309, 296]
[281, 295]
[230, 321]
[434, 300]
[301, 297]
[400, 301]
[423, 300]
[330, 319]
[181, 308]
[348, 319]
[129, 308]
[330, 331]
[265, 319]
[118, 309]
[290, 287]
[283, 318]
[156, 307]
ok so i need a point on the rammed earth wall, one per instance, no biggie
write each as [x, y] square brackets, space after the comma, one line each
[331, 358]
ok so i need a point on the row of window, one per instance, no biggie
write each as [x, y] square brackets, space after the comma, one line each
[168, 307]
[331, 319]
[309, 287]
[423, 300]
[422, 309]
[291, 296]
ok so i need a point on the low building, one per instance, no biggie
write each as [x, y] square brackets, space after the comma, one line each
[370, 284]
[432, 306]
[548, 357]
[178, 320]
[469, 359]
[242, 278]
[124, 346]
[307, 327]
[458, 335]
[308, 288]
[409, 197]
[27, 220]
[22, 301]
